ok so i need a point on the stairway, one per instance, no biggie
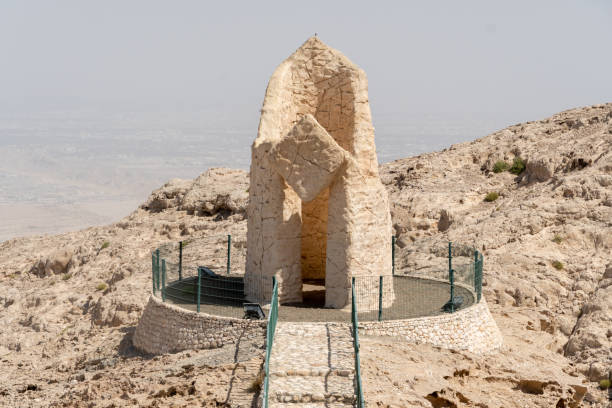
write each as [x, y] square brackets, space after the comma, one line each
[312, 365]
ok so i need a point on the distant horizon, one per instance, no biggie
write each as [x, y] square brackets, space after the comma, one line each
[103, 102]
[53, 189]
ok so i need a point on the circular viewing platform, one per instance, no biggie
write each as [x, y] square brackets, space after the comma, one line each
[420, 285]
[435, 298]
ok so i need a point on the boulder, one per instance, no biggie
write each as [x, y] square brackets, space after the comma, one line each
[217, 190]
[539, 169]
[112, 312]
[169, 195]
[58, 262]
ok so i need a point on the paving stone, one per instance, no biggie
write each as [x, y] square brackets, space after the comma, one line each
[312, 365]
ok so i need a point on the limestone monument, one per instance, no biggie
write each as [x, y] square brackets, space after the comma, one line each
[318, 211]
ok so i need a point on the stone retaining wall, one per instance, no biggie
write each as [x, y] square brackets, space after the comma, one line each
[166, 328]
[471, 329]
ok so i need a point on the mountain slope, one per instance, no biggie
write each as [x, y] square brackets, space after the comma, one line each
[70, 302]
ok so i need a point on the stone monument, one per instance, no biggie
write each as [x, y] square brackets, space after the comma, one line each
[318, 211]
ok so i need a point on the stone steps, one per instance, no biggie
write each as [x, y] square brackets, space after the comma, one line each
[310, 405]
[332, 388]
[312, 365]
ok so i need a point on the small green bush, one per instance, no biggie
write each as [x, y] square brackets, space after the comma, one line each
[518, 166]
[105, 245]
[500, 166]
[492, 196]
[101, 286]
[557, 265]
[605, 384]
[557, 239]
[66, 276]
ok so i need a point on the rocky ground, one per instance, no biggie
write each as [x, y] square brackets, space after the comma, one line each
[69, 303]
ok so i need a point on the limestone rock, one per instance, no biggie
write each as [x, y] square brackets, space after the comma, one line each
[307, 158]
[215, 191]
[539, 169]
[169, 195]
[111, 312]
[58, 262]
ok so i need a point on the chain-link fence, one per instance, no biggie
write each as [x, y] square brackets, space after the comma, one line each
[204, 274]
[428, 278]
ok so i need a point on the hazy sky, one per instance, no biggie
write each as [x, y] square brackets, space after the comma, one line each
[513, 61]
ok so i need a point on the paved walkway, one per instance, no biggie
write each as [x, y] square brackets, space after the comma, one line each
[312, 365]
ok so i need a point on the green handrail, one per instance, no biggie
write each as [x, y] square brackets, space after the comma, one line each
[478, 275]
[393, 238]
[180, 265]
[157, 268]
[229, 253]
[163, 279]
[360, 399]
[153, 271]
[270, 330]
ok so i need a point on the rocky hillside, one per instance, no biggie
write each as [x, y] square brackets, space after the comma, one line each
[536, 198]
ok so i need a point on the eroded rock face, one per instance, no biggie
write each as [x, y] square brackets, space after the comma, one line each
[591, 339]
[215, 191]
[317, 208]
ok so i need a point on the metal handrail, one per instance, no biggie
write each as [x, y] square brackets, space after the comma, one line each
[359, 391]
[270, 331]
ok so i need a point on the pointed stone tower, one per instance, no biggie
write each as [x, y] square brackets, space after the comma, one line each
[318, 211]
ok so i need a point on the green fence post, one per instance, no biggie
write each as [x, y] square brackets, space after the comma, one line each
[199, 287]
[180, 260]
[153, 270]
[380, 298]
[451, 276]
[157, 268]
[450, 256]
[229, 252]
[475, 270]
[452, 290]
[393, 255]
[163, 279]
[480, 273]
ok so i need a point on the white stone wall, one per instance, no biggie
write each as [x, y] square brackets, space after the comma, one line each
[166, 328]
[471, 329]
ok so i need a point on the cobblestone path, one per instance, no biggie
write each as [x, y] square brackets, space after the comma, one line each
[312, 365]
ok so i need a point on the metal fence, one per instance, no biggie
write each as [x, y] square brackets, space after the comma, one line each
[427, 278]
[205, 274]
